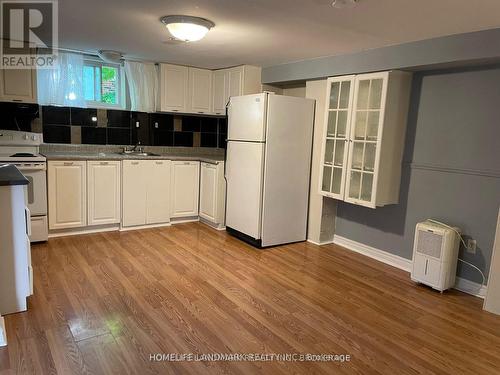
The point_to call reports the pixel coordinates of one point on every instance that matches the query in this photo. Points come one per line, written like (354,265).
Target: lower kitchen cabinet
(158,192)
(185,188)
(67,198)
(212,192)
(146,192)
(103,192)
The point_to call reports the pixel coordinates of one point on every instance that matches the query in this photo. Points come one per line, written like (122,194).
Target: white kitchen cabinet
(18,85)
(174,88)
(212,192)
(240,80)
(184,188)
(134,201)
(200,91)
(220,91)
(67,194)
(158,192)
(365,123)
(146,192)
(103,192)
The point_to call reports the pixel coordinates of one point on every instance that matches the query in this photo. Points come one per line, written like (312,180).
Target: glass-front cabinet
(339,101)
(360,123)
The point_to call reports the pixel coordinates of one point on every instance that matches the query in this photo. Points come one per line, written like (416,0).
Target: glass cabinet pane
(339,153)
(376,93)
(342,124)
(329,151)
(354,185)
(369,164)
(366,189)
(327,178)
(363,91)
(332,120)
(360,125)
(334,95)
(357,156)
(337,178)
(344,94)
(372,125)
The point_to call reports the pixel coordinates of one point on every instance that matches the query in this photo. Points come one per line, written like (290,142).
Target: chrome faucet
(137,148)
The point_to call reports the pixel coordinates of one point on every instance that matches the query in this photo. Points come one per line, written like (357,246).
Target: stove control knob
(33,137)
(25,137)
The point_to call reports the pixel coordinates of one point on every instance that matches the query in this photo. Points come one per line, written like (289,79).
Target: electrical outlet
(471,246)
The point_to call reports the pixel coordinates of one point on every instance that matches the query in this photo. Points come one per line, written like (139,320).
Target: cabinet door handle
(175,110)
(135,163)
(68,163)
(103,163)
(186,163)
(159,162)
(426,263)
(16,100)
(201,112)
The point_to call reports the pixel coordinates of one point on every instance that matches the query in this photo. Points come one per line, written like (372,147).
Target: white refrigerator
(268,162)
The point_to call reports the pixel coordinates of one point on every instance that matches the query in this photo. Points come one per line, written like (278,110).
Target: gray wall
(451,169)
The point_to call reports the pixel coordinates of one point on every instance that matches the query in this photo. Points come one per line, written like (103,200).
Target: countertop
(10,175)
(213,159)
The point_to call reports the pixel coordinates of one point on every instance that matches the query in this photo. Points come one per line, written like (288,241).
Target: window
(102,84)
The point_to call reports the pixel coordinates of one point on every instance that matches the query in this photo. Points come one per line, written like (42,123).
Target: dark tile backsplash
(117,136)
(115,127)
(93,136)
(83,117)
(56,115)
(57,134)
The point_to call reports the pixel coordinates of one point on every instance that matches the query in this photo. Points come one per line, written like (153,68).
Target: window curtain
(62,85)
(142,81)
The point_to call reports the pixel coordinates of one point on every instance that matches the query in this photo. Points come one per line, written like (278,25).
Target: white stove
(22,149)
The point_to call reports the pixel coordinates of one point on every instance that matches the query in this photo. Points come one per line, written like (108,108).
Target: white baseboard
(3,333)
(149,226)
(404,264)
(319,243)
(212,225)
(87,230)
(470,287)
(380,255)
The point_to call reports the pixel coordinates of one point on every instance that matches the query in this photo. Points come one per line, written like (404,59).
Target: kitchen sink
(134,153)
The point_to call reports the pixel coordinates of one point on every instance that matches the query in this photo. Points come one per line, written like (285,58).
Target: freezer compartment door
(246,118)
(244,172)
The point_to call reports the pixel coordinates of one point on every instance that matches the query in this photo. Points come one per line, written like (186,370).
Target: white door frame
(492,300)
(3,333)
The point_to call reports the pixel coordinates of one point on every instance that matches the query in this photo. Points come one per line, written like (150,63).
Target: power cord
(463,242)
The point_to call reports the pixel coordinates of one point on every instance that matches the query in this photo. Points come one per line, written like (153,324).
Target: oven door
(36,190)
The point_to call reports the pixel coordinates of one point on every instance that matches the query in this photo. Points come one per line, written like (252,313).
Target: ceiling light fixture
(110,56)
(341,4)
(187,28)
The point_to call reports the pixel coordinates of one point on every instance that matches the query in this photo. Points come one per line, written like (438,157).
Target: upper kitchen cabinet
(200,90)
(18,85)
(220,91)
(240,80)
(174,88)
(365,124)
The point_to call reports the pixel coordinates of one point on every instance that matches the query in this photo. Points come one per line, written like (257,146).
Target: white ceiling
(265,32)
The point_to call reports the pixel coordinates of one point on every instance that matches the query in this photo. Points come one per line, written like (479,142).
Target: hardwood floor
(104,302)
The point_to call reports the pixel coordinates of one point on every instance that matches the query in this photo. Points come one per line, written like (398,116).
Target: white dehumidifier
(435,255)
